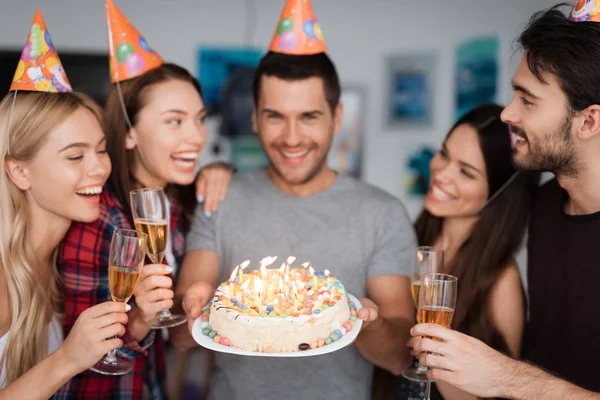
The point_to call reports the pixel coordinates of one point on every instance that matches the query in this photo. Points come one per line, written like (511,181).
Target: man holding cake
(298,206)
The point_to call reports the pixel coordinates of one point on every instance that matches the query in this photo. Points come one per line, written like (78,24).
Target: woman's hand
(89,340)
(153,292)
(212,184)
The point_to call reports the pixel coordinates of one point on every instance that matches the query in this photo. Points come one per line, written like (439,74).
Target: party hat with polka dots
(298,31)
(129,53)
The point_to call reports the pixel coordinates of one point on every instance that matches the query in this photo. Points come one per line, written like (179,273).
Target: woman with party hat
(53,149)
(154,122)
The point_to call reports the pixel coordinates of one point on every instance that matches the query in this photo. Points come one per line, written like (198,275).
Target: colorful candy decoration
(298,31)
(130,54)
(39,68)
(333,337)
(586,10)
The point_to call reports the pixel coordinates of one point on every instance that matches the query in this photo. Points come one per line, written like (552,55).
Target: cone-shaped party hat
(298,31)
(129,53)
(39,68)
(586,10)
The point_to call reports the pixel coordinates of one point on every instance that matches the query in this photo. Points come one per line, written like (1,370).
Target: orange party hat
(130,55)
(586,10)
(298,31)
(40,69)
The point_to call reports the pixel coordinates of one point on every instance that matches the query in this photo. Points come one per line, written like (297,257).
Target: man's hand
(463,361)
(369,314)
(195,298)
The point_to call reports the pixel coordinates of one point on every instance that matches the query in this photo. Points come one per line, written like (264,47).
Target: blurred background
(408,70)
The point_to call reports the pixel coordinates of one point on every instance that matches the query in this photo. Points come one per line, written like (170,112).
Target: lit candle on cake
(304,268)
(244,289)
(288,264)
(315,280)
(241,271)
(286,285)
(258,297)
(264,263)
(302,287)
(295,295)
(328,275)
(280,294)
(231,279)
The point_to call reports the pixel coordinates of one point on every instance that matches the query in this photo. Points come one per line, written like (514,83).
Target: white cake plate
(342,342)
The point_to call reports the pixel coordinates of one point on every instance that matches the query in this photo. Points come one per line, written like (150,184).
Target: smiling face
(296,127)
(540,123)
(66,175)
(168,135)
(459,184)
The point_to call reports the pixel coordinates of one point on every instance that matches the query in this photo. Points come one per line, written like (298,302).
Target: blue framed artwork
(410,85)
(417,170)
(216,65)
(476,73)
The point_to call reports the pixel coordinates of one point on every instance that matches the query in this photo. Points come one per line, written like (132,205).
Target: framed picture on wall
(216,67)
(476,73)
(346,150)
(409,95)
(416,171)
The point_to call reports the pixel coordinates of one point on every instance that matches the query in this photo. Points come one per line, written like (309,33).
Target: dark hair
(134,91)
(294,68)
(567,49)
(498,233)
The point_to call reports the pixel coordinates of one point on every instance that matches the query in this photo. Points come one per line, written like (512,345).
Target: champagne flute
(125,261)
(437,301)
(151,216)
(428,261)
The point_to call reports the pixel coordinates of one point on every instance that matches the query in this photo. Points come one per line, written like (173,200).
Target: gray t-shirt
(353,229)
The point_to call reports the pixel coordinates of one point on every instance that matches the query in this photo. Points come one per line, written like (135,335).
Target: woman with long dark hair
(476,211)
(155,128)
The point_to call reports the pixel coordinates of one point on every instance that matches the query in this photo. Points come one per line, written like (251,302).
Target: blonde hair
(34,297)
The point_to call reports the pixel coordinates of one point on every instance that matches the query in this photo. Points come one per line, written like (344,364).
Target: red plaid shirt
(83,266)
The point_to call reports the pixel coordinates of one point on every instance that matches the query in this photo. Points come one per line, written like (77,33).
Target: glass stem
(111,357)
(428,390)
(165,313)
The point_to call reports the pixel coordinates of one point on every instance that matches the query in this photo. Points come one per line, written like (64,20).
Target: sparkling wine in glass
(125,261)
(157,237)
(151,216)
(429,260)
(437,301)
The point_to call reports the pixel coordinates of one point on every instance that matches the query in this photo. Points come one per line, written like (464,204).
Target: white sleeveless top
(55,339)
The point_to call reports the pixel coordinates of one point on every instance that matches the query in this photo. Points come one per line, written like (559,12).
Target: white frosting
(256,333)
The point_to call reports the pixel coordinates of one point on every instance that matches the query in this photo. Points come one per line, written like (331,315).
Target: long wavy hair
(497,234)
(33,292)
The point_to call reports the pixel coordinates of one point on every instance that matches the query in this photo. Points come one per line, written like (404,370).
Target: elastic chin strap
(499,191)
(122,101)
(10,114)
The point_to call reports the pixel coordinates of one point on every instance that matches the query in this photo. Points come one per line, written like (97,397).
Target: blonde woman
(53,153)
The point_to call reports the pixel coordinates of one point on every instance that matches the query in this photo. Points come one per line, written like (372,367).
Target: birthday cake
(278,310)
